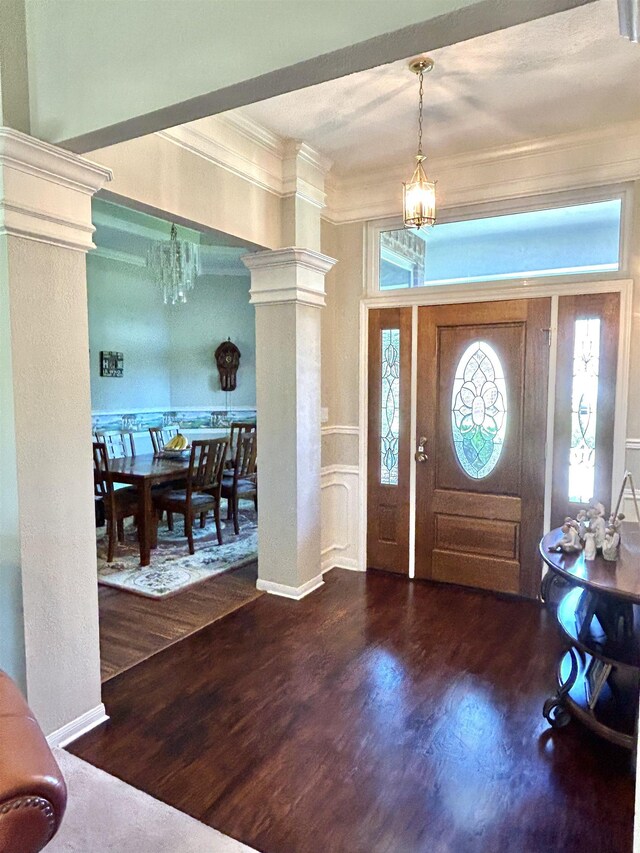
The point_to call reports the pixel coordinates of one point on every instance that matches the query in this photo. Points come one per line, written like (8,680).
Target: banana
(178,442)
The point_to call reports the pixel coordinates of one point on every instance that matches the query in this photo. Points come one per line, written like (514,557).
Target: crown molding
(118,256)
(266,175)
(569,161)
(284,167)
(254,132)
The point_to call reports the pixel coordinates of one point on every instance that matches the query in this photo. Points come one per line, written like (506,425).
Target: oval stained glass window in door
(478,410)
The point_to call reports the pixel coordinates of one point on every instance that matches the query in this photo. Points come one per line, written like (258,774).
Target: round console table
(599,612)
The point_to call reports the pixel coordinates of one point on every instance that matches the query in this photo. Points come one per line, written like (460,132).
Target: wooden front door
(482,381)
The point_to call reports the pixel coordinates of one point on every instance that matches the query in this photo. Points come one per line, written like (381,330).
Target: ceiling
(563,73)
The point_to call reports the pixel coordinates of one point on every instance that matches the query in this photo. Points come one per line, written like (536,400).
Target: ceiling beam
(459,25)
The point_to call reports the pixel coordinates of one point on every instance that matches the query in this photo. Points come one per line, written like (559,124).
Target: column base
(294,592)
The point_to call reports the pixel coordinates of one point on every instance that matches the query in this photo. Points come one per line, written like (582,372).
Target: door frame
(493,292)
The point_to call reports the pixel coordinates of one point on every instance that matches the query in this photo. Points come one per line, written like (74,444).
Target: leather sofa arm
(33,793)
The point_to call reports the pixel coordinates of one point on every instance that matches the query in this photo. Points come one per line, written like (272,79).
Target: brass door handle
(421,455)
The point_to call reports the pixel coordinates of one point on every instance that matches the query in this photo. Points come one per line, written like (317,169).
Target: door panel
(597,422)
(389,442)
(481,402)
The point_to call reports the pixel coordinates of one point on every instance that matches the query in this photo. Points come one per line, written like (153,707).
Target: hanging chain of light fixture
(419,194)
(174,264)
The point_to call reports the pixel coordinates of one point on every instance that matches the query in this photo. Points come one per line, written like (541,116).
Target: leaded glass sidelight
(584,405)
(390,407)
(479,410)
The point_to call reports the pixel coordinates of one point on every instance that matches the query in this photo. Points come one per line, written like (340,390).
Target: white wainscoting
(339,486)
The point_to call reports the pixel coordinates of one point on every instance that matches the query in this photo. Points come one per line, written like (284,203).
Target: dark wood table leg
(145,522)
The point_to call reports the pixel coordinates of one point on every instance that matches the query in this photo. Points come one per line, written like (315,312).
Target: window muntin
(584,409)
(479,410)
(390,406)
(573,240)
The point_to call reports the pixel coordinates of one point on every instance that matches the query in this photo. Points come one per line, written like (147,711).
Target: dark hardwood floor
(374,716)
(132,628)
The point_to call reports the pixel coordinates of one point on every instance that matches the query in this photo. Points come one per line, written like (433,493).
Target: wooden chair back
(206,465)
(246,455)
(118,443)
(237,429)
(102,482)
(161,435)
(101,479)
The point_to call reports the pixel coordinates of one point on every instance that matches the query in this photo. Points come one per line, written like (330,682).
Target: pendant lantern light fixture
(419,196)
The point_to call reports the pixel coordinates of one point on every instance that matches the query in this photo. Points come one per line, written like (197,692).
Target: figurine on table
(570,541)
(597,524)
(590,550)
(611,544)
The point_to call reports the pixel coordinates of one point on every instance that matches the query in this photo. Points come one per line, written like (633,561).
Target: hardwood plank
(375,716)
(132,627)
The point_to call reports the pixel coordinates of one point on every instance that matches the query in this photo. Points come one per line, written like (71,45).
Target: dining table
(144,472)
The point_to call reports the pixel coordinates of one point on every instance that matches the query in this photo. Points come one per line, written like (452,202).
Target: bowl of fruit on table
(176,448)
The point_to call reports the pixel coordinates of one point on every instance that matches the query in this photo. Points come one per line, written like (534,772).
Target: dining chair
(119,443)
(162,435)
(202,490)
(118,503)
(237,429)
(243,481)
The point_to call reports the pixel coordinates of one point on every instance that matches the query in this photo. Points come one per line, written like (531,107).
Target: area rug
(105,815)
(172,568)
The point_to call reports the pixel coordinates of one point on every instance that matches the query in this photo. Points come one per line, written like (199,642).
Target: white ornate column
(287,288)
(48,588)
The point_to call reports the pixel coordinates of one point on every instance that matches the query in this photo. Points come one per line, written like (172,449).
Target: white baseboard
(340,562)
(294,592)
(80,726)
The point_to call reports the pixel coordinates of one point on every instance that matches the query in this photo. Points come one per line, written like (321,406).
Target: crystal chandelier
(419,194)
(174,264)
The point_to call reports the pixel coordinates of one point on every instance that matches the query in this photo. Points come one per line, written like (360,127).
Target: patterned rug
(172,568)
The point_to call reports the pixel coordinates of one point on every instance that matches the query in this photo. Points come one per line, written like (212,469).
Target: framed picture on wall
(111,364)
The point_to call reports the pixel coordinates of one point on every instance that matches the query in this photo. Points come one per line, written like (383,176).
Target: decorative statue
(570,541)
(582,520)
(616,520)
(590,549)
(597,523)
(611,543)
(228,361)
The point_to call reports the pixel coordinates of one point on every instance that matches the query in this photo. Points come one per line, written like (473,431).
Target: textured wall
(48,314)
(169,178)
(341,339)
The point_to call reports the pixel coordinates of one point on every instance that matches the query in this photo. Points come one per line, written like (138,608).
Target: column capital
(288,275)
(45,191)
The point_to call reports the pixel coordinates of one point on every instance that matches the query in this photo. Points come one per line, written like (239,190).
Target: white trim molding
(598,157)
(632,444)
(339,489)
(250,151)
(80,726)
(340,429)
(293,592)
(45,192)
(288,275)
